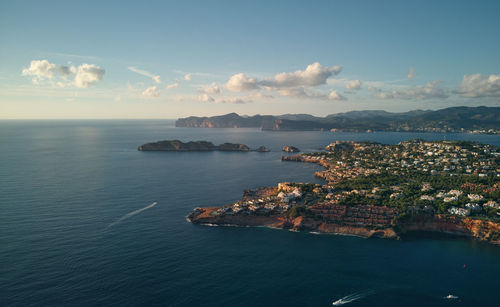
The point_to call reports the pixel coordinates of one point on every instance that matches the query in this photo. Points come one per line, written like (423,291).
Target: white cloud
(353,85)
(373,89)
(430,91)
(334,95)
(241,83)
(211,89)
(66,70)
(157,79)
(293,92)
(145,73)
(260,96)
(234,100)
(315,74)
(172,86)
(118,98)
(477,85)
(187,77)
(151,91)
(85,74)
(303,93)
(40,69)
(88,74)
(205,98)
(411,73)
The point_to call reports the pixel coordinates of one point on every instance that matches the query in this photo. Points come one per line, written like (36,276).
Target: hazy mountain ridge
(448,119)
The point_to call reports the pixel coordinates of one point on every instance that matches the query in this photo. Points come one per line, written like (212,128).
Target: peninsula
(375,190)
(176,145)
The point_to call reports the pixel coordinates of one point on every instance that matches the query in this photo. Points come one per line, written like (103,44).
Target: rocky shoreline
(204,216)
(463,227)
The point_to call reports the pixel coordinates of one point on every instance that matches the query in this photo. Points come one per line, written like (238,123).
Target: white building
(473,206)
(459,211)
(475,197)
(427,197)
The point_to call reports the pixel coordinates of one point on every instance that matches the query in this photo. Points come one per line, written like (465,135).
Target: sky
(170,59)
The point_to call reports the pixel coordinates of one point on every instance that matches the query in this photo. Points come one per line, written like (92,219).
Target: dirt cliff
(475,228)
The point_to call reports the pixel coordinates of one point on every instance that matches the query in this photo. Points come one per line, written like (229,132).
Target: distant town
(381,190)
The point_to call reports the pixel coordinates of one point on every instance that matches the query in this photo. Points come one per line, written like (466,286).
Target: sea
(88,220)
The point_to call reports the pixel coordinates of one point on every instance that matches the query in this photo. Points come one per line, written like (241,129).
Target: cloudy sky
(105,59)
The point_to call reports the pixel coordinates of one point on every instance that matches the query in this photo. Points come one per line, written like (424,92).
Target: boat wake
(128,215)
(352,297)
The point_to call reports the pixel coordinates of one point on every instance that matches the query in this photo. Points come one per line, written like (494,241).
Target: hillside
(477,119)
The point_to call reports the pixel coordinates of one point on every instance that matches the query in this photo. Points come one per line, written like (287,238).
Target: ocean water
(86,219)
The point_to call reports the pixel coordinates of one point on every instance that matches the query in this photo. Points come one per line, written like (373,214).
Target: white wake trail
(351,298)
(126,216)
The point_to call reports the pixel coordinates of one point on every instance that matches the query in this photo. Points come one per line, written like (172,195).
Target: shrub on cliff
(300,211)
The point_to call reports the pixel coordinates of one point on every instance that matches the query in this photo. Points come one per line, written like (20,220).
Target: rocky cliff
(473,228)
(206,216)
(468,227)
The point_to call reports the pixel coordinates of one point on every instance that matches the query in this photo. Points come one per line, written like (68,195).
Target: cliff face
(479,229)
(467,227)
(206,216)
(176,145)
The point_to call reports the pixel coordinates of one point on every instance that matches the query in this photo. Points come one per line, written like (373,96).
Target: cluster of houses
(444,158)
(261,206)
(284,200)
(454,195)
(364,159)
(469,208)
(435,158)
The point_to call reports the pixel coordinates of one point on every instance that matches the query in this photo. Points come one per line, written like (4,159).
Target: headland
(376,190)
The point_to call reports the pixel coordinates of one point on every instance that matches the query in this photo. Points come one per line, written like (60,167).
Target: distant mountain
(231,120)
(376,113)
(298,117)
(449,119)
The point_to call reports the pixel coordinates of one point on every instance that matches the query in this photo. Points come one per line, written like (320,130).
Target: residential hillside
(457,119)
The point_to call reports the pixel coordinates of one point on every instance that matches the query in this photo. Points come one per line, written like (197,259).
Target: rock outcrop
(262,149)
(233,147)
(290,149)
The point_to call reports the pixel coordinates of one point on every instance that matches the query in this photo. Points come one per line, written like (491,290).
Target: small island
(176,145)
(376,190)
(290,149)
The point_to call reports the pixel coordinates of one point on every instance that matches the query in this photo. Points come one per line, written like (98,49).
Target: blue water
(66,188)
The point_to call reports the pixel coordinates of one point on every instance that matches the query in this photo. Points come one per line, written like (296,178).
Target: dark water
(63,183)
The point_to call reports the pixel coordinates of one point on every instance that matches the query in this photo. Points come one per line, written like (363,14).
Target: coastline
(453,226)
(326,209)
